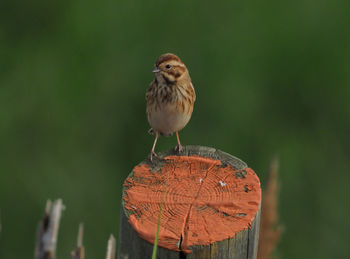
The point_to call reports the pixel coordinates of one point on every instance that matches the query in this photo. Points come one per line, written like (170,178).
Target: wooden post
(210,207)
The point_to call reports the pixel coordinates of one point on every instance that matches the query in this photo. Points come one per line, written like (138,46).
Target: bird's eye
(168,66)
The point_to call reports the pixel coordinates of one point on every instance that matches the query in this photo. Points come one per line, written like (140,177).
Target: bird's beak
(156,69)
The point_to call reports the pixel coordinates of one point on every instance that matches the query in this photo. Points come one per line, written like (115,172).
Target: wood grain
(211,206)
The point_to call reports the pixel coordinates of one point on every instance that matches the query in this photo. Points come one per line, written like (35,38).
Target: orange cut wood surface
(203,201)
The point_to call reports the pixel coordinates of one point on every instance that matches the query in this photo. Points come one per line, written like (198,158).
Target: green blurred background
(272,77)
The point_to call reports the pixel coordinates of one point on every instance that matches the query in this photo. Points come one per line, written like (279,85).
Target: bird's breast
(166,118)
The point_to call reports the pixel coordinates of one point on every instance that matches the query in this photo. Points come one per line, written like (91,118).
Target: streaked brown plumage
(170,98)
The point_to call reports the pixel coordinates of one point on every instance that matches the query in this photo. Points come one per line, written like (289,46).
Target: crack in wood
(183,233)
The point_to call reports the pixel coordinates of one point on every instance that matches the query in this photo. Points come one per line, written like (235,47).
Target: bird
(170,99)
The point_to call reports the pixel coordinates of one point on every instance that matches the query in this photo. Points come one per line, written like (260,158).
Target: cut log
(210,206)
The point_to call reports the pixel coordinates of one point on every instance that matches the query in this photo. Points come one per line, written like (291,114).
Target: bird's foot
(151,131)
(152,154)
(178,148)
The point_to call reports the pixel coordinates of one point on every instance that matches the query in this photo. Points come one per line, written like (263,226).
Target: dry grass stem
(79,252)
(111,248)
(48,231)
(270,230)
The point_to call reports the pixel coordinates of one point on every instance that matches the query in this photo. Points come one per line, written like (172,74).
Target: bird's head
(170,68)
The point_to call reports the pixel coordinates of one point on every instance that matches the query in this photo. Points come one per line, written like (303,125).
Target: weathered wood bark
(237,245)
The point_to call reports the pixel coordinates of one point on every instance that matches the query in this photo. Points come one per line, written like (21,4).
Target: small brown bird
(170,99)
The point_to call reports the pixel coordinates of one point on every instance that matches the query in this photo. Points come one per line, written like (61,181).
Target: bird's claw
(152,154)
(178,148)
(151,131)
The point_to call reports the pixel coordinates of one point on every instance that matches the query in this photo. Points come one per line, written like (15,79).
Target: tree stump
(210,204)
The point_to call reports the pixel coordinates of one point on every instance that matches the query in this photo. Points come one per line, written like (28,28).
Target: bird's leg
(178,148)
(153,147)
